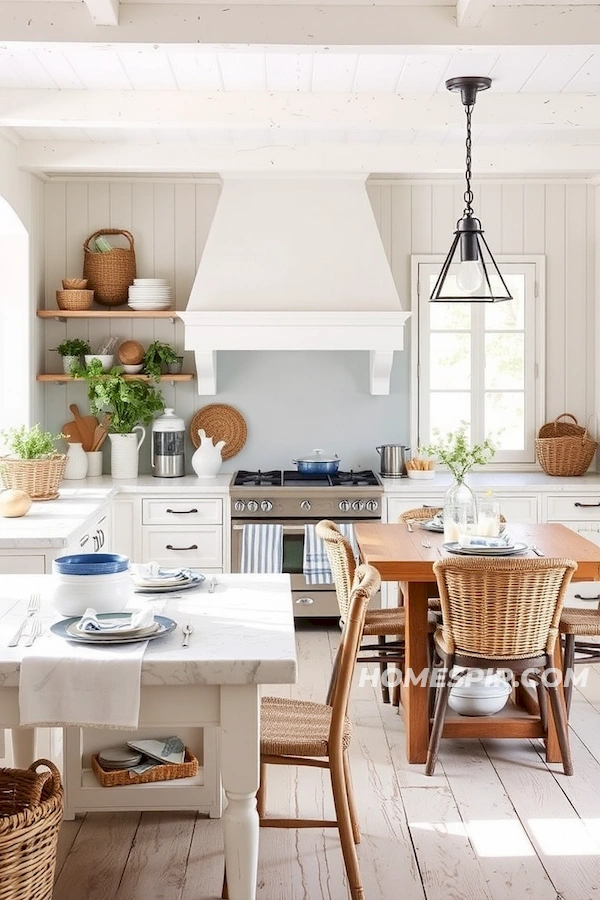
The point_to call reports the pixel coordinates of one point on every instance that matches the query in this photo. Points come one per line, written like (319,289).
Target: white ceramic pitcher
(207,459)
(124,454)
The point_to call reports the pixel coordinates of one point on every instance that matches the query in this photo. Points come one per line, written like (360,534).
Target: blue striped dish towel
(315,565)
(262,548)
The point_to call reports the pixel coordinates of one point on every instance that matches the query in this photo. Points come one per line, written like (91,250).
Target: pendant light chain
(468,195)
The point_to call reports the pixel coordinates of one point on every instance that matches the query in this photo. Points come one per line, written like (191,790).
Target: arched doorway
(15,325)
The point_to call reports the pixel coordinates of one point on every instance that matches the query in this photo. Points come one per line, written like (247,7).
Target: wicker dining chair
(421,514)
(575,622)
(383,623)
(304,733)
(500,614)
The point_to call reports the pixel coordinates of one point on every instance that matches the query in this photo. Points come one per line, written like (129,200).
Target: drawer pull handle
(305,601)
(581,597)
(84,540)
(182,512)
(171,547)
(585,505)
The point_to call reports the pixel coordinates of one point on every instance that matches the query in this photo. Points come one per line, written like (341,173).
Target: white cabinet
(514,507)
(398,505)
(96,538)
(581,513)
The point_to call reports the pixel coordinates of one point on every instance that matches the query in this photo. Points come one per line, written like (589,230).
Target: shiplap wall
(294,402)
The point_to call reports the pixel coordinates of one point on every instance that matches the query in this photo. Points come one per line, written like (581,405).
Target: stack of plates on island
(150,293)
(152,578)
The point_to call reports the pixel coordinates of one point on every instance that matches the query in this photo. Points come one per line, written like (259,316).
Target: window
(481,362)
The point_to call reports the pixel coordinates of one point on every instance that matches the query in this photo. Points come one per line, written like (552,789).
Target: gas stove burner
(266,479)
(365,478)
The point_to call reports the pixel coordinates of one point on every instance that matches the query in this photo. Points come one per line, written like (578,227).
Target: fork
(212,585)
(36,630)
(33,607)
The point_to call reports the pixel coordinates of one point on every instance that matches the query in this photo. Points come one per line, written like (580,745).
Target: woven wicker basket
(109,274)
(32,808)
(166,772)
(564,448)
(74,299)
(39,478)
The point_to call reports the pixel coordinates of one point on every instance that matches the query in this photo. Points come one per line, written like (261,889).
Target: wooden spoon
(99,436)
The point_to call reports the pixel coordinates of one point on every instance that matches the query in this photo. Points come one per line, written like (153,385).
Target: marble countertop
(143,484)
(55,523)
(537,482)
(243,632)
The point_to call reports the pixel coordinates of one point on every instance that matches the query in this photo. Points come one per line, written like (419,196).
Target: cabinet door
(585,594)
(396,506)
(519,509)
(13,564)
(199,548)
(127,526)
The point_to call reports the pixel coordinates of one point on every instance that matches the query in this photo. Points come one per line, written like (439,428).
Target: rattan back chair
(304,733)
(383,623)
(578,623)
(500,614)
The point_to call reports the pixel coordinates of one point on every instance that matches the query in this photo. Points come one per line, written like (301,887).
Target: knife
(18,633)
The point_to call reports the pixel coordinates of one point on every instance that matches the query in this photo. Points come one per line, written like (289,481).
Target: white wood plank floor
(494,823)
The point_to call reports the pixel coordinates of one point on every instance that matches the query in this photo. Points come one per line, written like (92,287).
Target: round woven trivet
(222,423)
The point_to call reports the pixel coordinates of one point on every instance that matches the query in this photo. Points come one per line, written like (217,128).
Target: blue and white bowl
(91,564)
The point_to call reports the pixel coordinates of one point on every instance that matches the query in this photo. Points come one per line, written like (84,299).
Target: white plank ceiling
(146,93)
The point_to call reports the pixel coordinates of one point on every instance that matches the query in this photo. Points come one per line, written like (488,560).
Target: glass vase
(460,511)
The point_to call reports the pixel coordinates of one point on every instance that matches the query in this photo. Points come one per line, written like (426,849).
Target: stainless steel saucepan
(393,459)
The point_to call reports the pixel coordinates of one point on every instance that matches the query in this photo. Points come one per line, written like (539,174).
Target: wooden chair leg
(342,812)
(441,706)
(568,669)
(261,794)
(383,672)
(351,800)
(224,889)
(543,704)
(562,727)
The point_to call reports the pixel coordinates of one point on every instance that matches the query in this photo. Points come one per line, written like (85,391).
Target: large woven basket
(109,274)
(31,812)
(564,448)
(39,478)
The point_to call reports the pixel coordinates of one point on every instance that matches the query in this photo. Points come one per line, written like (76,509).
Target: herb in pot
(30,443)
(157,356)
(127,402)
(73,347)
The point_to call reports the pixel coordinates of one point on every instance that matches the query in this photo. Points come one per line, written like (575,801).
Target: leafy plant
(128,402)
(158,355)
(454,451)
(30,443)
(73,347)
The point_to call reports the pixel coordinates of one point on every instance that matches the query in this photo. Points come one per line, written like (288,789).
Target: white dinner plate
(151,587)
(432,526)
(75,631)
(61,629)
(454,547)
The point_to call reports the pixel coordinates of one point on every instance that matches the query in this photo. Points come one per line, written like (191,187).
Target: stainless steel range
(295,500)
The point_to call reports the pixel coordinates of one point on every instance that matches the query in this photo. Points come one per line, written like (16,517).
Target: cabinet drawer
(199,548)
(518,509)
(395,507)
(566,509)
(182,511)
(13,564)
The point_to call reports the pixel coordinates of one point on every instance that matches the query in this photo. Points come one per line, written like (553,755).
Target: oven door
(310,600)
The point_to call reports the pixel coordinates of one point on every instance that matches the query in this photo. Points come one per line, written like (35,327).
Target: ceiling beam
(103,12)
(331,25)
(205,110)
(194,159)
(471,12)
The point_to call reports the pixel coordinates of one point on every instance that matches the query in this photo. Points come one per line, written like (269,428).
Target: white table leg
(23,746)
(240,768)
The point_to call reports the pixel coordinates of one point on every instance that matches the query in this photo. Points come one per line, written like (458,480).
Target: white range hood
(294,263)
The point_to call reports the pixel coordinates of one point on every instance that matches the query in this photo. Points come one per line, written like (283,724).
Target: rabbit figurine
(207,459)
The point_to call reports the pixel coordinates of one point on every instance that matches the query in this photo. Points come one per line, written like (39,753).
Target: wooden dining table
(407,556)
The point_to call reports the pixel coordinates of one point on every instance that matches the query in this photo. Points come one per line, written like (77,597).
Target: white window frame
(535,342)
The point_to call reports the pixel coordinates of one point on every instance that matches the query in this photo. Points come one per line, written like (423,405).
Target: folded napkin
(68,683)
(89,621)
(502,541)
(152,573)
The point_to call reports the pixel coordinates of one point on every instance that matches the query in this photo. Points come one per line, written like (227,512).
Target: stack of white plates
(150,293)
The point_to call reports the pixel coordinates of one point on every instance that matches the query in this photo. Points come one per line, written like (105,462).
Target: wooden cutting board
(84,426)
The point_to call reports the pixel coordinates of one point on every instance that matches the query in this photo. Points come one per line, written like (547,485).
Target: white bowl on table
(421,474)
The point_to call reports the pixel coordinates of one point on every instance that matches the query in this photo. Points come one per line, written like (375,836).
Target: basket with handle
(564,448)
(31,809)
(109,274)
(39,478)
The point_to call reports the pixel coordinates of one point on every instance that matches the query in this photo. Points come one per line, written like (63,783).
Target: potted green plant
(159,356)
(71,351)
(32,464)
(129,404)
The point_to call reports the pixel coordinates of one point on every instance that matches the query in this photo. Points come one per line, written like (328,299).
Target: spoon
(426,544)
(187,631)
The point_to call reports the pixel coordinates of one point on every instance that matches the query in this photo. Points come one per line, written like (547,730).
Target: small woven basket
(109,274)
(74,299)
(39,478)
(564,448)
(30,815)
(160,772)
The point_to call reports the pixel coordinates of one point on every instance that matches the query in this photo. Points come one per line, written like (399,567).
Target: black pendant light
(469,273)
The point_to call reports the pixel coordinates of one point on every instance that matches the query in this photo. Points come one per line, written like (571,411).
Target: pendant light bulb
(470,276)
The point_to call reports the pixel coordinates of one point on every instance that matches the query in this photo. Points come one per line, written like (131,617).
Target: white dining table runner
(65,683)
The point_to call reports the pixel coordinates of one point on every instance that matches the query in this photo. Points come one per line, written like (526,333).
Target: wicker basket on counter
(564,448)
(109,274)
(39,478)
(31,809)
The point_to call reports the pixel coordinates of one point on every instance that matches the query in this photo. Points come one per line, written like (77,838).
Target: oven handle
(298,529)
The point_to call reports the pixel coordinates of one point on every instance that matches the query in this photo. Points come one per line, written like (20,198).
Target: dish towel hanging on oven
(262,548)
(315,565)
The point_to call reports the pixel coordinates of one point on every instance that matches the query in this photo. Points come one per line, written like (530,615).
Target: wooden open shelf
(60,377)
(63,314)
